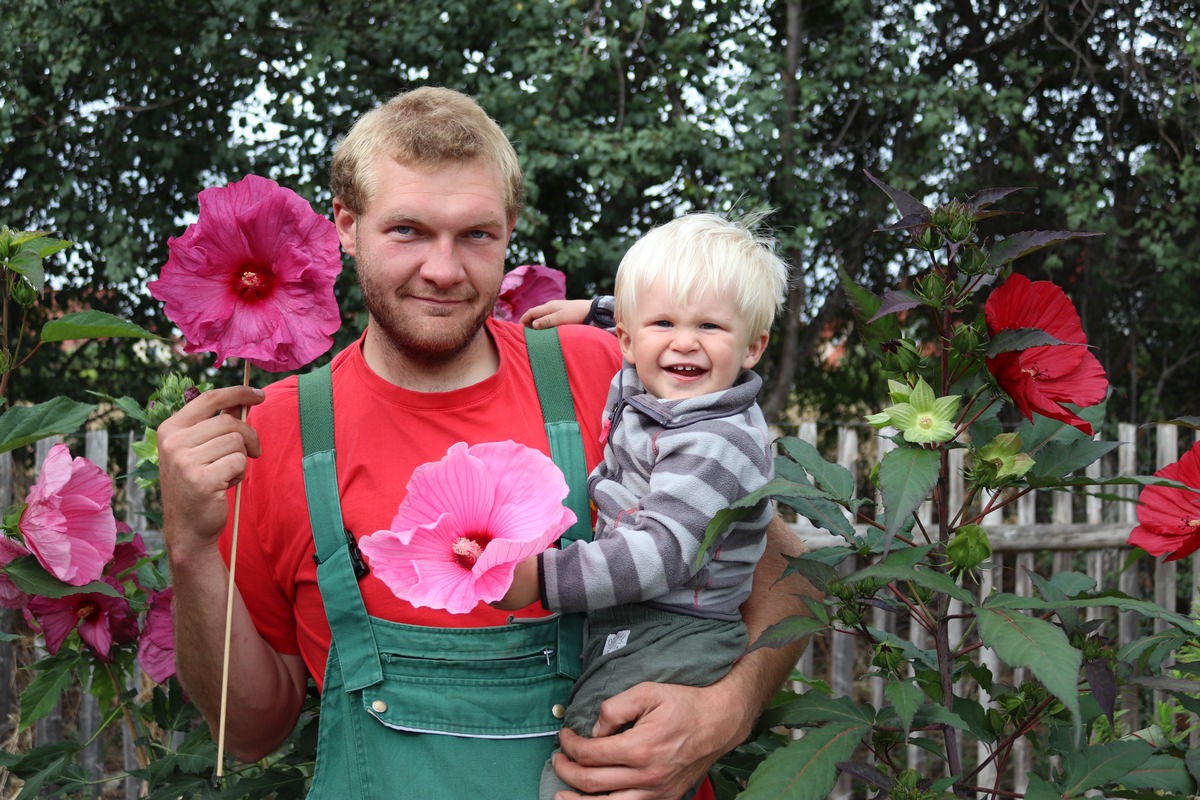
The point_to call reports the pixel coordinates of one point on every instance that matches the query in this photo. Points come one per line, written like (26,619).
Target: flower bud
(972,260)
(961,230)
(23,293)
(965,339)
(888,657)
(933,288)
(928,239)
(969,548)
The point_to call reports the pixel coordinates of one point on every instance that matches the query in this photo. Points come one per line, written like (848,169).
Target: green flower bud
(23,293)
(965,339)
(932,287)
(961,230)
(888,657)
(928,239)
(1000,462)
(972,261)
(969,548)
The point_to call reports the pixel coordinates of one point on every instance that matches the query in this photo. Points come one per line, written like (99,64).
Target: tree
(625,114)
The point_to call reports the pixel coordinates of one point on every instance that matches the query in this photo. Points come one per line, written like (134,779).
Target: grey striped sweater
(669,466)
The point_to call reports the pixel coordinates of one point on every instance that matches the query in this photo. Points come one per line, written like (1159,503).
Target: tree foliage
(115,113)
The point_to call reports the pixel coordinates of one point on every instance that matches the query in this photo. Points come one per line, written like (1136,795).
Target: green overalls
(435,713)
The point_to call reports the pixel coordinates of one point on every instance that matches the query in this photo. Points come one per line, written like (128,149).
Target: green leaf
(716,529)
(1106,599)
(1024,641)
(1041,789)
(907,697)
(44,691)
(833,478)
(1060,458)
(1100,765)
(814,708)
(1026,242)
(906,477)
(807,768)
(814,570)
(22,425)
(1161,772)
(1020,339)
(92,325)
(929,578)
(787,631)
(32,578)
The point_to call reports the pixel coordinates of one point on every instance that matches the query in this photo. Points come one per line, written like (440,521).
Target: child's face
(687,350)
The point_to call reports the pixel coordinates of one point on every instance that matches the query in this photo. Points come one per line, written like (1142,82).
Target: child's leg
(551,783)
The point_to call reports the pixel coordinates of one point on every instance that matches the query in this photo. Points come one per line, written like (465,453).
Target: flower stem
(233,542)
(140,750)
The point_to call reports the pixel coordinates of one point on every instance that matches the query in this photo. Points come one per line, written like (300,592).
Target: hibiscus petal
(444,585)
(459,484)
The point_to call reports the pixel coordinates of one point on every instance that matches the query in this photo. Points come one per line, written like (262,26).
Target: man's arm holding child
(680,731)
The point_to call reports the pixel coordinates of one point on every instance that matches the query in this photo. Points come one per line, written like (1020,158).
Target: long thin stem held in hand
(233,547)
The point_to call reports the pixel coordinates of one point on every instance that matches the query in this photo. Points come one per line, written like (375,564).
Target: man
(427,189)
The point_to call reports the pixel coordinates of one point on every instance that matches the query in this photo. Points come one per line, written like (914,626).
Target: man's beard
(411,337)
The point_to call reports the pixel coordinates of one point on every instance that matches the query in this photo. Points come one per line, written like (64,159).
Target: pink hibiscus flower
(126,554)
(1170,518)
(527,286)
(103,621)
(68,522)
(465,524)
(10,595)
(253,278)
(156,645)
(1041,379)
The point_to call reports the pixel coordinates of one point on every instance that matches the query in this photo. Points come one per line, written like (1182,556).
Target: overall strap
(339,564)
(566,448)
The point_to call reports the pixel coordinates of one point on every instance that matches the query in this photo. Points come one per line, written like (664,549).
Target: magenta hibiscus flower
(466,522)
(103,621)
(527,286)
(156,645)
(1041,379)
(253,278)
(10,595)
(1170,518)
(68,522)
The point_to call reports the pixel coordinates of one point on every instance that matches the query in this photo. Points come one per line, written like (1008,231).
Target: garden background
(114,114)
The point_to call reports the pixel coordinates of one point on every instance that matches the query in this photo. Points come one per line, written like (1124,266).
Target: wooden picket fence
(1042,533)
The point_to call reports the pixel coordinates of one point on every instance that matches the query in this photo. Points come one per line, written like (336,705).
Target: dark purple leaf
(906,204)
(1104,686)
(1026,242)
(895,300)
(988,196)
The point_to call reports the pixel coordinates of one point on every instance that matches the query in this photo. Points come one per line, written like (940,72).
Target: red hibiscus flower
(103,621)
(527,286)
(1041,379)
(1170,518)
(253,278)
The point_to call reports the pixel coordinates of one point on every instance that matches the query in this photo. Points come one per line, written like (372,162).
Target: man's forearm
(772,599)
(266,689)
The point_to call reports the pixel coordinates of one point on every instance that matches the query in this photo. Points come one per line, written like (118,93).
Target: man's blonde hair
(732,257)
(425,129)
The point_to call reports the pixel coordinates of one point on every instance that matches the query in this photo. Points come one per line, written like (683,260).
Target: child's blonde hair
(698,253)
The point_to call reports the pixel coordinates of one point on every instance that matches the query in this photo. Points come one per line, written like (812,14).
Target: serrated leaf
(1161,772)
(814,708)
(92,325)
(43,693)
(1011,339)
(906,697)
(1099,765)
(865,304)
(1039,788)
(833,478)
(1026,242)
(1056,459)
(29,264)
(815,571)
(32,578)
(716,529)
(1107,599)
(1103,683)
(787,631)
(895,301)
(906,477)
(22,425)
(1023,641)
(805,769)
(929,578)
(986,197)
(905,203)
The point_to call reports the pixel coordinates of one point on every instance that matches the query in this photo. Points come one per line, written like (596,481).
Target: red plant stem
(918,612)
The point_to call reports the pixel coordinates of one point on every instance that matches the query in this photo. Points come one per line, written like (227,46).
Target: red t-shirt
(382,434)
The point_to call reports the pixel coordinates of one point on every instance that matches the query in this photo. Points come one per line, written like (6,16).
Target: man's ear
(755,349)
(346,222)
